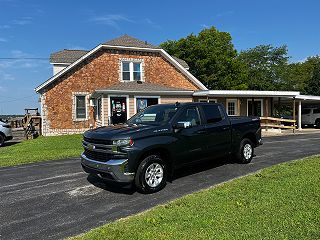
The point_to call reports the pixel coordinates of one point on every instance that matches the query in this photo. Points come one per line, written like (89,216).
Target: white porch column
(299,116)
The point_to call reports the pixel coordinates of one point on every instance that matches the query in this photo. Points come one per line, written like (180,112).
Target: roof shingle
(67,56)
(128,41)
(142,86)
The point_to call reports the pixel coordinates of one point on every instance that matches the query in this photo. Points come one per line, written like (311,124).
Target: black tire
(1,140)
(143,183)
(246,151)
(318,123)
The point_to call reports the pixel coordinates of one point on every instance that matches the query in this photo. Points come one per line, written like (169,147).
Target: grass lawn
(280,202)
(41,149)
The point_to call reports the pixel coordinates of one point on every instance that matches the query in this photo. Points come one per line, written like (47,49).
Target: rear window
(212,113)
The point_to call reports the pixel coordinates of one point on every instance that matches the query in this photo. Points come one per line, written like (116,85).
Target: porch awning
(245,93)
(142,88)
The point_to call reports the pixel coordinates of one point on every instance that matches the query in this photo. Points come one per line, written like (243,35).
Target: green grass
(41,149)
(280,202)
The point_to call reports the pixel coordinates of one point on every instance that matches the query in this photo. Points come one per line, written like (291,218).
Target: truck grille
(97,141)
(97,156)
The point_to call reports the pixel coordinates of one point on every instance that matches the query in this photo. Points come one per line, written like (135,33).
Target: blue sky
(34,29)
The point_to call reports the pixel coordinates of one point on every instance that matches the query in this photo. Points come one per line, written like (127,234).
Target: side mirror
(182,125)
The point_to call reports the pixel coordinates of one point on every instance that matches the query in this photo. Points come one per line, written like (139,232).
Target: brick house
(109,84)
(118,78)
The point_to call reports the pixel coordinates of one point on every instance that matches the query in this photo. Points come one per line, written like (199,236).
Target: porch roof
(142,88)
(245,93)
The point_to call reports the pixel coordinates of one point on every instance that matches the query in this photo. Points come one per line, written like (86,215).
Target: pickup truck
(311,116)
(161,138)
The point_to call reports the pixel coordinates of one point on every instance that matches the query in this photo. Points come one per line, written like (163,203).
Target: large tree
(267,67)
(312,69)
(212,59)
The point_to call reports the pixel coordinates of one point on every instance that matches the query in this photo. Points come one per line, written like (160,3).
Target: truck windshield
(154,115)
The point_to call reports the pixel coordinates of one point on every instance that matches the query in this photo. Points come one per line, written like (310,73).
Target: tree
(312,87)
(267,67)
(212,59)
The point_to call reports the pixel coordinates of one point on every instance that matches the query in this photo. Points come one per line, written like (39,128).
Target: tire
(151,175)
(246,151)
(1,140)
(318,123)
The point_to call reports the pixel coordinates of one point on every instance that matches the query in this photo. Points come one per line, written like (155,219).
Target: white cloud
(3,40)
(112,20)
(204,26)
(5,26)
(22,21)
(222,14)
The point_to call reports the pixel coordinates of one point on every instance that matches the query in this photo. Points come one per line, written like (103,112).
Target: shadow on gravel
(190,169)
(7,144)
(200,166)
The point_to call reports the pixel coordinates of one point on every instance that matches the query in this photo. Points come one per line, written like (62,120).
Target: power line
(23,58)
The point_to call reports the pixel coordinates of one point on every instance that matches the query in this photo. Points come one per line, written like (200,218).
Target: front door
(191,141)
(118,110)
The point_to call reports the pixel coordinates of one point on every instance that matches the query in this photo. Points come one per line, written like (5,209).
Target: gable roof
(67,56)
(128,41)
(162,52)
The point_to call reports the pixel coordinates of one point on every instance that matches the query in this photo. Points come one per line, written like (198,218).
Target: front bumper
(115,169)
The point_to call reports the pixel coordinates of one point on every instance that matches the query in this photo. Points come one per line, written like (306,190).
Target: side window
(306,111)
(190,114)
(316,110)
(212,113)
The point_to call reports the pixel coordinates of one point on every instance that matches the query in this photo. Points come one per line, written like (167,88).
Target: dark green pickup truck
(161,138)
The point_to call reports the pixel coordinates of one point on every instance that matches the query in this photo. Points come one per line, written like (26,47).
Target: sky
(30,30)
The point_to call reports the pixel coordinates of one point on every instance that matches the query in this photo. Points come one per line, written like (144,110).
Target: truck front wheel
(246,151)
(151,175)
(318,123)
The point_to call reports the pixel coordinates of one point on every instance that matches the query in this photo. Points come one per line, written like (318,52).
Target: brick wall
(100,71)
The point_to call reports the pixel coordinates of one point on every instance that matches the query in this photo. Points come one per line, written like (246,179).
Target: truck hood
(119,131)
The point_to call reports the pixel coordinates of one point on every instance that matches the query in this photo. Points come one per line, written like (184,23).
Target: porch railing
(278,123)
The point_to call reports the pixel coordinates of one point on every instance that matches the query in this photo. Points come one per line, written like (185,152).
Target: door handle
(225,128)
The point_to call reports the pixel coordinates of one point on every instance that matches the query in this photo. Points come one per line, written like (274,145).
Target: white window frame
(256,100)
(79,94)
(99,118)
(131,62)
(236,110)
(210,100)
(135,101)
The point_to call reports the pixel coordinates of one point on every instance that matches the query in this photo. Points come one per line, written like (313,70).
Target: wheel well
(162,152)
(251,137)
(317,120)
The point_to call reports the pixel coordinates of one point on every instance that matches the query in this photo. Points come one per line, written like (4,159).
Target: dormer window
(131,71)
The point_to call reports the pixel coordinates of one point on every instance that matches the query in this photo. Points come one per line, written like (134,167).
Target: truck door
(190,145)
(306,116)
(218,131)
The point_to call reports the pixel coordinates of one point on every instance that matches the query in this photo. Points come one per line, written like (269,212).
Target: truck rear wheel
(246,151)
(151,175)
(1,140)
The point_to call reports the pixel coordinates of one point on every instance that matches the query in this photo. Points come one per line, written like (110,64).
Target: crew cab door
(190,145)
(218,131)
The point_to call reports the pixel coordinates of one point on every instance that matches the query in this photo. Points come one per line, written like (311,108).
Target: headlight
(123,142)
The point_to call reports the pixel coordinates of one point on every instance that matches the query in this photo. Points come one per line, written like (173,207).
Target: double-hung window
(81,111)
(131,71)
